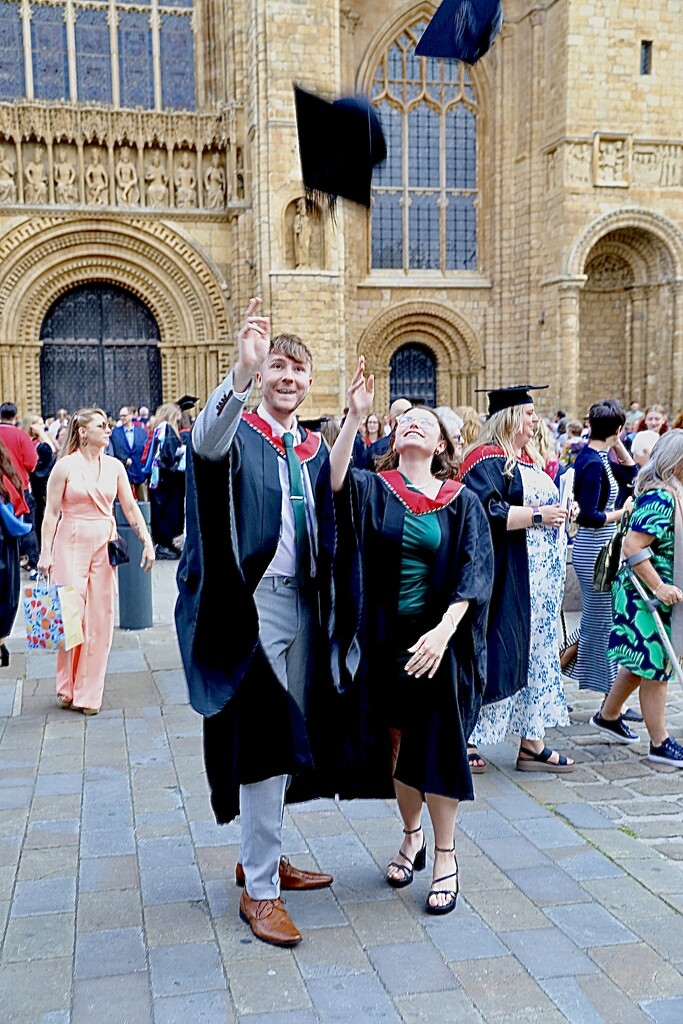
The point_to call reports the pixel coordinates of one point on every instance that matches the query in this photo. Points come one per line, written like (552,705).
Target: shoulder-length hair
(7,469)
(501,429)
(664,468)
(445,465)
(168,413)
(81,418)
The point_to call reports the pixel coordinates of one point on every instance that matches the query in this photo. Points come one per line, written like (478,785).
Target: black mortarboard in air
(187,402)
(505,398)
(462,30)
(339,144)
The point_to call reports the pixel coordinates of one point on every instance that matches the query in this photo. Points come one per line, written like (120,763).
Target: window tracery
(425,193)
(128,53)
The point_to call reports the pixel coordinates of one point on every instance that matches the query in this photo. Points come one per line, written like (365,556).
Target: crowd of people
(390,587)
(60,477)
(393,586)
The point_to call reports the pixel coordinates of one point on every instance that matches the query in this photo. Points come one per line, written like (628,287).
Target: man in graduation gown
(247,616)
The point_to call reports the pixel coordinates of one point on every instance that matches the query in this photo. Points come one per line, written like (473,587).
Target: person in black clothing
(167,483)
(46,450)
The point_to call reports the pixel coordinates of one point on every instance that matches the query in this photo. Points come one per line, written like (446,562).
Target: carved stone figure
(672,166)
(214,184)
(96,181)
(611,160)
(127,191)
(185,184)
(35,178)
(8,187)
(157,182)
(66,190)
(578,164)
(302,235)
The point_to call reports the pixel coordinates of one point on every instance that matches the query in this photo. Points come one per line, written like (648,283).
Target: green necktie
(296,494)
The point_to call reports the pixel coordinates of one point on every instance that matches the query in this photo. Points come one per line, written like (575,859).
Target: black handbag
(117,550)
(609,558)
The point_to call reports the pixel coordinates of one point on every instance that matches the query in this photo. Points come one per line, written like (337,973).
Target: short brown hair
(292,345)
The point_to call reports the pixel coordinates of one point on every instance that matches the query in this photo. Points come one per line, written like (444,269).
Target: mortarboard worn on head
(505,398)
(339,144)
(462,30)
(187,402)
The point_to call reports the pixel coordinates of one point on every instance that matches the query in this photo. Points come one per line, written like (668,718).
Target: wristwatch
(537,517)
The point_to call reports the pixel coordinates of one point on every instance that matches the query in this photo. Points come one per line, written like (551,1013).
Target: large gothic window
(425,193)
(129,53)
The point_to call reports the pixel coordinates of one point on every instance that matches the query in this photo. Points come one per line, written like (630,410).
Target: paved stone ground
(116,902)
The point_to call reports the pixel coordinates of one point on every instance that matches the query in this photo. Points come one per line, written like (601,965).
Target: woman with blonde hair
(46,448)
(544,443)
(471,424)
(654,547)
(524,693)
(77,527)
(167,481)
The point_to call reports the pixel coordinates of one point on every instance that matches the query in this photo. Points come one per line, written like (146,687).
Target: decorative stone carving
(8,186)
(303,237)
(96,180)
(64,173)
(185,181)
(157,182)
(301,230)
(35,178)
(608,272)
(578,163)
(611,163)
(672,166)
(551,170)
(214,184)
(647,165)
(127,191)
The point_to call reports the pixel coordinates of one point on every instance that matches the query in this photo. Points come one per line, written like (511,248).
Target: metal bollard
(135,585)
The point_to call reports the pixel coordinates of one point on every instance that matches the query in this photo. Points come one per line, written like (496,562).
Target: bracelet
(659,587)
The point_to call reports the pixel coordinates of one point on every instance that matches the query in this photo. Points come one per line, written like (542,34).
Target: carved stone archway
(621,310)
(458,354)
(43,258)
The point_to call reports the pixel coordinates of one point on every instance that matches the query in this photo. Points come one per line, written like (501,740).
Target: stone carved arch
(45,257)
(638,223)
(456,348)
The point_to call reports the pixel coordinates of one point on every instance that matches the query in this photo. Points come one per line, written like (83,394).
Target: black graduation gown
(253,728)
(437,722)
(510,609)
(167,500)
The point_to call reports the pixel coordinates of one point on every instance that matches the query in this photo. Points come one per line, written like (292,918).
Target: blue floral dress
(541,704)
(634,641)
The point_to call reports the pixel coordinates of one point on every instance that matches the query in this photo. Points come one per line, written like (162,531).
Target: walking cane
(653,605)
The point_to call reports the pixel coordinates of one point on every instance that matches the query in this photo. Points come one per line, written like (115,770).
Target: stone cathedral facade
(526,225)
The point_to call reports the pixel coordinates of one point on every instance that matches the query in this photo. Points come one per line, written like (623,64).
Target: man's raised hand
(253,345)
(361,393)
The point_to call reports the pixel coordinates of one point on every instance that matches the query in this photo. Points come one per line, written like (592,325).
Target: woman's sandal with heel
(418,864)
(444,908)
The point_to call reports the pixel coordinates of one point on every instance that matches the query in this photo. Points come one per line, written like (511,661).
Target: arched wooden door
(100,347)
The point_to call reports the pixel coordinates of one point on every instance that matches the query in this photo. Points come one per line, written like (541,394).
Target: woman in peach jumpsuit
(77,526)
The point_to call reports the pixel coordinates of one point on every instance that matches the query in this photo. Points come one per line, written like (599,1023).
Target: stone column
(570,340)
(677,344)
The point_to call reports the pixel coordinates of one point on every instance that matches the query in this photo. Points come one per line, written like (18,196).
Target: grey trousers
(285,632)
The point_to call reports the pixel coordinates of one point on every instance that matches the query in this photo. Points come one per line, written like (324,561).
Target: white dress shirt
(212,435)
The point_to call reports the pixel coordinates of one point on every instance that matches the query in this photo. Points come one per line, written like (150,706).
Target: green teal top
(421,541)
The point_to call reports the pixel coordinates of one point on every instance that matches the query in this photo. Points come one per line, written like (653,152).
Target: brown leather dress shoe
(269,921)
(291,878)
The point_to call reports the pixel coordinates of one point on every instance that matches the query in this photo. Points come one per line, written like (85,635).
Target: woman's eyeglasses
(420,421)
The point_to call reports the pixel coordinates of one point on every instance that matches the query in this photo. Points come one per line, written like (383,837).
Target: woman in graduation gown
(524,693)
(413,574)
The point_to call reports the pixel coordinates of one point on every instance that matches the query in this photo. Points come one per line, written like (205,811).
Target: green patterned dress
(634,640)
